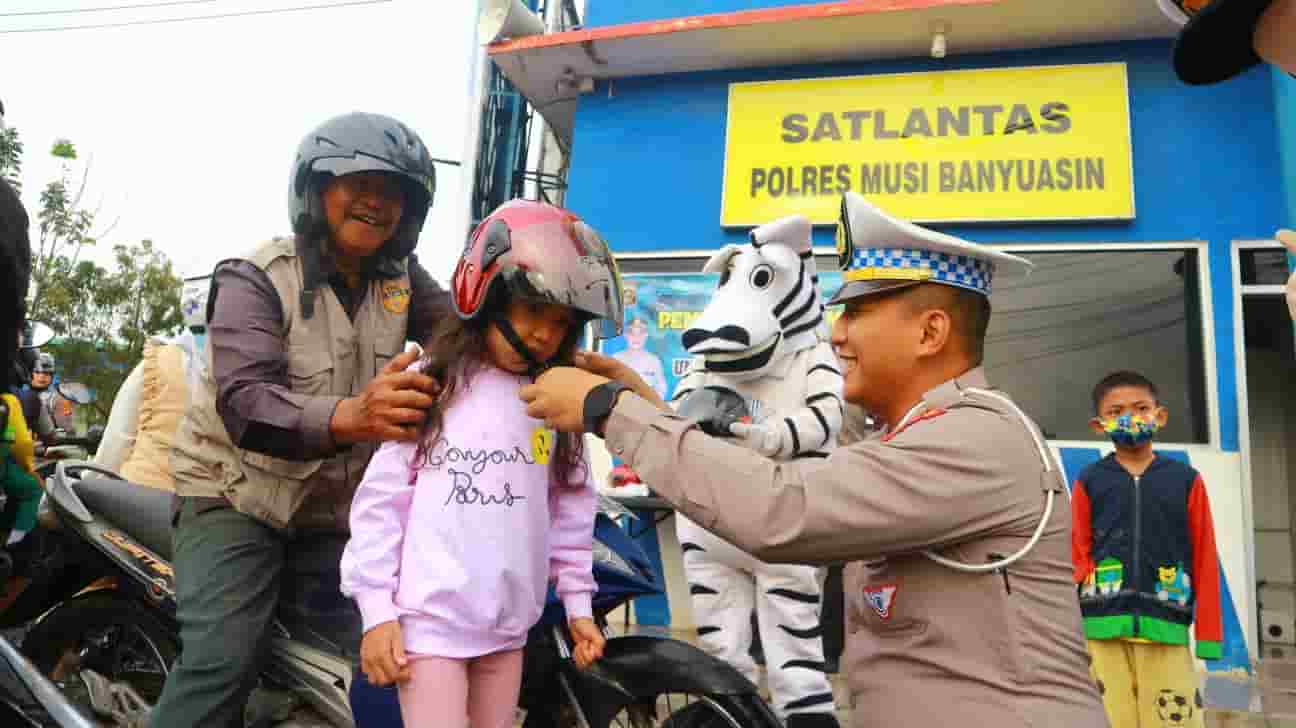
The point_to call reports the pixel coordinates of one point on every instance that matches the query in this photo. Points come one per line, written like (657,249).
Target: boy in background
(1143,546)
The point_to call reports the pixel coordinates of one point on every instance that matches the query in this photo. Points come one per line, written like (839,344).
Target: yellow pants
(1147,684)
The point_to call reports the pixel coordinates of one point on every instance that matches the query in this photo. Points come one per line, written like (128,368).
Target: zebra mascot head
(767,305)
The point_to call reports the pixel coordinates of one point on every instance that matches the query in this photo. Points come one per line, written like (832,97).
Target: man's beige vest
(328,355)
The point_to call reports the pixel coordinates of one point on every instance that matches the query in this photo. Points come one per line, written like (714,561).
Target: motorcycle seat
(143,513)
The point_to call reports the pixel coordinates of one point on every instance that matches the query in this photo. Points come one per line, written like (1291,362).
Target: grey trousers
(234,575)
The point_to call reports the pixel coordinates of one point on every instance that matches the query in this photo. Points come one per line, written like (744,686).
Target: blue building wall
(616,12)
(1285,109)
(648,157)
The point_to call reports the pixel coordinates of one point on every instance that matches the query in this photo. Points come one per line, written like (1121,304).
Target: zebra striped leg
(787,603)
(722,597)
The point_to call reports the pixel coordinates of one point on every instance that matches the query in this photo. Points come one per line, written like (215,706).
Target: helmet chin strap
(534,367)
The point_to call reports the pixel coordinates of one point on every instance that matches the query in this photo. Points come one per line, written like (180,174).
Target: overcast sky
(192,126)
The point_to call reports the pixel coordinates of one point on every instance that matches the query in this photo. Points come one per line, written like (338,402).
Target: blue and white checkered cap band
(963,271)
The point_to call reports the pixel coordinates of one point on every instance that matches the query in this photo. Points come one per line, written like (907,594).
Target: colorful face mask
(1130,430)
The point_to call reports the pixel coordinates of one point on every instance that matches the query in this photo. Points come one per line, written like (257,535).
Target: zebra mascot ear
(719,261)
(795,233)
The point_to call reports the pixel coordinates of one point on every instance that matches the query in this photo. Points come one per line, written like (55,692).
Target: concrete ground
(1267,698)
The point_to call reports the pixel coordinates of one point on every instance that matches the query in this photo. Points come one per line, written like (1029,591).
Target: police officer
(960,608)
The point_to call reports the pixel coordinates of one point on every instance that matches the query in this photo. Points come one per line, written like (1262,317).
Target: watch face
(598,404)
(607,397)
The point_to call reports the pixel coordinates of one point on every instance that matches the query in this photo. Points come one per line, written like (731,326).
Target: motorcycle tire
(708,711)
(121,639)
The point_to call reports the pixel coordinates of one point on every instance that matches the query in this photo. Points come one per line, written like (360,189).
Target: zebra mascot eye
(762,276)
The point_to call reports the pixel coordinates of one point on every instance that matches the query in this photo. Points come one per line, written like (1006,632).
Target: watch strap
(598,405)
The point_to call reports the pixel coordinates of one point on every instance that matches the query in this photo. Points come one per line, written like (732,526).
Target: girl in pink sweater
(454,539)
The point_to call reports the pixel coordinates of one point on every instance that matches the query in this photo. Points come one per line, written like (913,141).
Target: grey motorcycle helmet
(362,142)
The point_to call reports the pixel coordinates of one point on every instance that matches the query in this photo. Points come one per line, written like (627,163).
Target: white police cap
(877,252)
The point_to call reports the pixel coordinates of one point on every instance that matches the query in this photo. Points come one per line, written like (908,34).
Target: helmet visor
(567,263)
(362,162)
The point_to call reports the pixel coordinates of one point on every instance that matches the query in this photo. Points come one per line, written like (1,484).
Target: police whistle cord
(1048,502)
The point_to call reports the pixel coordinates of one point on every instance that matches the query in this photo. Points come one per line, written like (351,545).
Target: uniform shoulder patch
(928,415)
(881,597)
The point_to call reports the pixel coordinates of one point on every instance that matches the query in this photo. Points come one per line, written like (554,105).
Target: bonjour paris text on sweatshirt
(460,548)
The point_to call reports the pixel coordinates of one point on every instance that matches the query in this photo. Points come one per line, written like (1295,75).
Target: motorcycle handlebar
(69,441)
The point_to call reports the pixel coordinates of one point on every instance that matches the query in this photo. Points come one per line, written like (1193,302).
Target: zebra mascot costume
(764,336)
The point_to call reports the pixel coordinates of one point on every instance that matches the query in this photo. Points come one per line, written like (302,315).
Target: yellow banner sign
(995,145)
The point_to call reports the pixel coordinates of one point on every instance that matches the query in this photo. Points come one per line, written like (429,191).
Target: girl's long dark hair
(453,355)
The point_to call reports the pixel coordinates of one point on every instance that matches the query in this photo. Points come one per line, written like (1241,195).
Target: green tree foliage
(103,315)
(11,150)
(106,317)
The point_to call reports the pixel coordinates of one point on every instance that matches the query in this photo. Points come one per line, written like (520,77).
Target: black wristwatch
(598,405)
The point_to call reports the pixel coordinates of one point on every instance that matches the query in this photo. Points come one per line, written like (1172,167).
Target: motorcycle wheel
(676,710)
(109,633)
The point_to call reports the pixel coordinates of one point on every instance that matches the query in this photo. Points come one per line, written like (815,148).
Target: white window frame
(1240,292)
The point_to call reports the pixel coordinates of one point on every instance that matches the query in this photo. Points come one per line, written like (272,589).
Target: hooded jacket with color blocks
(1144,554)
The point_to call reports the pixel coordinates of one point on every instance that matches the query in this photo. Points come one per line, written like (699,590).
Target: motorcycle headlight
(611,559)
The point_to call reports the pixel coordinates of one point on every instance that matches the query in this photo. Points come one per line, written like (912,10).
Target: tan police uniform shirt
(967,477)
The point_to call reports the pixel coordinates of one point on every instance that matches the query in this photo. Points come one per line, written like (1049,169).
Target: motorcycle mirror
(36,335)
(75,392)
(611,508)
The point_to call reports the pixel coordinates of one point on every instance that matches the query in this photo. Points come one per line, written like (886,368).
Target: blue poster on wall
(659,307)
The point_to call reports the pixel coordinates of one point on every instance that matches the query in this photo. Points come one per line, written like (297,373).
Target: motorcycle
(110,647)
(27,698)
(64,444)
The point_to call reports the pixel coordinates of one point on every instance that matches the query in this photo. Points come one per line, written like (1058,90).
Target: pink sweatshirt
(463,557)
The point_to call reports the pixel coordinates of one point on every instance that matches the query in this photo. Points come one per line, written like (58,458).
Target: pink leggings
(443,692)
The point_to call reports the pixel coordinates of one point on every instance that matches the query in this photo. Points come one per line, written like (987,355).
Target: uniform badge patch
(880,598)
(395,296)
(845,246)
